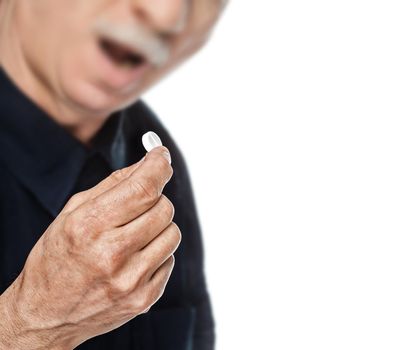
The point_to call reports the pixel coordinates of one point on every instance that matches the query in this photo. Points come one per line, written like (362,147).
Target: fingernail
(150,140)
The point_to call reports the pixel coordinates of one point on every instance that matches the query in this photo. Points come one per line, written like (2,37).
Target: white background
(294,123)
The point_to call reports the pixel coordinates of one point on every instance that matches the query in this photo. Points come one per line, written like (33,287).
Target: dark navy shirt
(42,165)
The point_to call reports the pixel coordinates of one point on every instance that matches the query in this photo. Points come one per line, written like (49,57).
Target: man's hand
(104,260)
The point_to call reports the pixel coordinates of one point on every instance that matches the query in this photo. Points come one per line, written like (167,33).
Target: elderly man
(89,222)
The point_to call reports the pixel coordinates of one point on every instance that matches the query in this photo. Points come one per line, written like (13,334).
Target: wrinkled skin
(108,255)
(105,259)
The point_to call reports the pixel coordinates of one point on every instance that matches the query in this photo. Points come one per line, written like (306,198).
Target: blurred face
(100,55)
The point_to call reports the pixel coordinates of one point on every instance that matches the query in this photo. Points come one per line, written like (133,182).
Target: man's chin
(94,100)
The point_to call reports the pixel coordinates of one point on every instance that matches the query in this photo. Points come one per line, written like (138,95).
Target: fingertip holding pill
(150,140)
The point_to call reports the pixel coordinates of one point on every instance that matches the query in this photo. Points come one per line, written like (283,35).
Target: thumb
(150,141)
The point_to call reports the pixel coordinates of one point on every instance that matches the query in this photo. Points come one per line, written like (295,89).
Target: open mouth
(120,54)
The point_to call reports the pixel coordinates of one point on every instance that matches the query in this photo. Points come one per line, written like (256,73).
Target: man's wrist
(9,323)
(14,333)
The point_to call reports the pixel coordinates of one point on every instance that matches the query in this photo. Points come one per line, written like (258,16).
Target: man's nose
(164,16)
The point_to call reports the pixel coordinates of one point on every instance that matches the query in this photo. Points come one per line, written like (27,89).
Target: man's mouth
(120,54)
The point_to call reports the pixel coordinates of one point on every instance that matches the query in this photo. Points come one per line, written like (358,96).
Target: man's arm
(14,335)
(9,334)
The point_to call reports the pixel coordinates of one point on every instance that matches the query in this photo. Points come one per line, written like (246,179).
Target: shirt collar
(44,156)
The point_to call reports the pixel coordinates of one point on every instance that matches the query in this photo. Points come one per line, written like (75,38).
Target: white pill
(150,140)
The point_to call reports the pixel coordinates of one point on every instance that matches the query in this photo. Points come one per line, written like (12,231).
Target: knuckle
(142,301)
(107,263)
(143,304)
(150,297)
(73,231)
(144,267)
(92,220)
(170,171)
(70,223)
(73,225)
(121,287)
(158,292)
(82,221)
(175,234)
(77,198)
(167,210)
(75,201)
(145,188)
(170,263)
(118,175)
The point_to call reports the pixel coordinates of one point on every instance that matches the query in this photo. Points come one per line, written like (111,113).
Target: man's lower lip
(119,77)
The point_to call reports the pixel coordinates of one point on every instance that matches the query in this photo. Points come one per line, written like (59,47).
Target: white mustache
(137,38)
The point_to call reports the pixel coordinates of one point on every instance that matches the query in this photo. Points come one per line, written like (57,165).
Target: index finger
(110,181)
(132,196)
